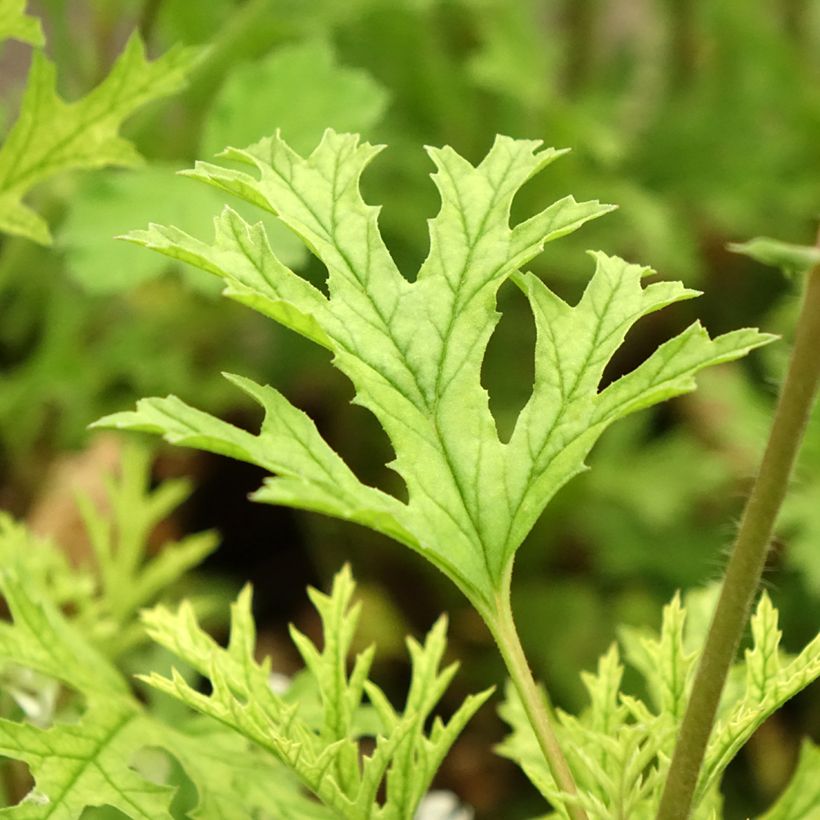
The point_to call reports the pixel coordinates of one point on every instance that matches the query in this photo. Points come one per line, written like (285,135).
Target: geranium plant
(413,350)
(329,743)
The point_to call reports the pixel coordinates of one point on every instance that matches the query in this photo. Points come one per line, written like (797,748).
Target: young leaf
(770,680)
(236,780)
(104,598)
(15,24)
(664,662)
(620,746)
(51,136)
(40,639)
(414,350)
(119,537)
(86,753)
(44,564)
(325,756)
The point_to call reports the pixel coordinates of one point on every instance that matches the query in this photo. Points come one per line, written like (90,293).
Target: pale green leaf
(664,662)
(619,747)
(297,88)
(770,680)
(414,349)
(43,564)
(15,24)
(119,534)
(86,763)
(308,473)
(240,254)
(325,757)
(39,638)
(51,136)
(234,779)
(81,732)
(418,758)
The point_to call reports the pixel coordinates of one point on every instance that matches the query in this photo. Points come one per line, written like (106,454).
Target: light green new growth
(105,594)
(90,755)
(71,716)
(15,24)
(620,746)
(51,136)
(324,753)
(414,349)
(127,578)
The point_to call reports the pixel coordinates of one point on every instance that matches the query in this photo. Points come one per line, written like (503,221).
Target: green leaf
(619,747)
(84,749)
(234,779)
(770,680)
(110,203)
(104,597)
(414,350)
(128,578)
(51,136)
(664,662)
(788,257)
(43,564)
(299,89)
(85,764)
(42,640)
(325,757)
(309,473)
(15,24)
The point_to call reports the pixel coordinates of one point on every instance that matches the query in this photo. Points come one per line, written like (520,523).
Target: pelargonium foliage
(414,349)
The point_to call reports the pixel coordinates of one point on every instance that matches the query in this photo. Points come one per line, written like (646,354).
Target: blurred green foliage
(699,118)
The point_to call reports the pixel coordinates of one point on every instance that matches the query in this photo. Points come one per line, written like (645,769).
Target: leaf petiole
(502,627)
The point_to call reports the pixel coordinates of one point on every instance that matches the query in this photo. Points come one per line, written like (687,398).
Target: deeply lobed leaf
(323,754)
(69,714)
(414,350)
(620,746)
(770,680)
(51,136)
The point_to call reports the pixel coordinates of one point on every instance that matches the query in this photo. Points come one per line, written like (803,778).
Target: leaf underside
(414,350)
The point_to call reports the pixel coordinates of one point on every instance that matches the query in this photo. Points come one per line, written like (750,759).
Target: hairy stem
(748,557)
(506,637)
